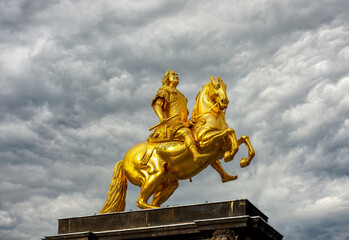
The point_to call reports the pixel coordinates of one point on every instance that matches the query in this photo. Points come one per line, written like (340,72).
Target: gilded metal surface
(170,103)
(178,149)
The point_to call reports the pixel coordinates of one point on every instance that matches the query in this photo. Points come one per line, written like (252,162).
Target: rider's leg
(224,175)
(190,143)
(164,191)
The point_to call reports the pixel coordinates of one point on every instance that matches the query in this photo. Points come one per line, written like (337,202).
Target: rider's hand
(162,120)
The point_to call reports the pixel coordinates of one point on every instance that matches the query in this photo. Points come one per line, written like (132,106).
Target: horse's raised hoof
(228,156)
(244,162)
(228,178)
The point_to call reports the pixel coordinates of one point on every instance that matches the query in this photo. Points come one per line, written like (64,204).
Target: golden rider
(170,105)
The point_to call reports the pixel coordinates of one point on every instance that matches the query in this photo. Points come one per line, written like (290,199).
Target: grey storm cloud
(77,79)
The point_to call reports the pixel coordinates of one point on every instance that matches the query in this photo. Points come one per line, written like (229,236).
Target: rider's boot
(190,142)
(198,157)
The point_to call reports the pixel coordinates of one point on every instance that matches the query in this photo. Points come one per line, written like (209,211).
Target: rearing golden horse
(169,162)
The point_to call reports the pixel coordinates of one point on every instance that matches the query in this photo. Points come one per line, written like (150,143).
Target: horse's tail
(116,199)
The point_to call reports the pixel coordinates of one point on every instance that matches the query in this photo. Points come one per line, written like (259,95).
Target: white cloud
(78,78)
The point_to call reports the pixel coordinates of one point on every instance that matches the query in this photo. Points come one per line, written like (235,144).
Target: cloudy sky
(77,79)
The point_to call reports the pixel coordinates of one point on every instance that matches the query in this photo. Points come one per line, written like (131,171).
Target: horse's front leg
(232,147)
(208,137)
(246,161)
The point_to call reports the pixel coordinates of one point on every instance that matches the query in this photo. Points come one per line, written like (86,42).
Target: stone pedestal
(230,220)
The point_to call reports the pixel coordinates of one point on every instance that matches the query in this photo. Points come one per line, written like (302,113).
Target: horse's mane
(195,113)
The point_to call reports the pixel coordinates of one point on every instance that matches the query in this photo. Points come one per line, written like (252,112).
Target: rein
(206,111)
(209,110)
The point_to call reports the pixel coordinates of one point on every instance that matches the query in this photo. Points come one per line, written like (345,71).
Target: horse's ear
(213,80)
(219,80)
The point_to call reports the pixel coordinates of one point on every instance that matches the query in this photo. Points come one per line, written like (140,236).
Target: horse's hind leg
(224,175)
(164,191)
(148,188)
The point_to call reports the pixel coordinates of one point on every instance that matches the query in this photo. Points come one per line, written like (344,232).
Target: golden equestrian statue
(177,149)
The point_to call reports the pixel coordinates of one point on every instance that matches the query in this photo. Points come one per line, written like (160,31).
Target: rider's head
(170,78)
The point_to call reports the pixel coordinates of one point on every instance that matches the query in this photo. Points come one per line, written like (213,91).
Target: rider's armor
(174,103)
(178,105)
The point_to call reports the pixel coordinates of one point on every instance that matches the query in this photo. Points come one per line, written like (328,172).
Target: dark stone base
(230,220)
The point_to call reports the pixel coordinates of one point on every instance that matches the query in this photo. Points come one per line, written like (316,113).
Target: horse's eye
(216,87)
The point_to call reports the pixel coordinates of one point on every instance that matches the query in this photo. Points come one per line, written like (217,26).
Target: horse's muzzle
(224,103)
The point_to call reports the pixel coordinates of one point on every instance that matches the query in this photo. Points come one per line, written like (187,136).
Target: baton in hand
(166,120)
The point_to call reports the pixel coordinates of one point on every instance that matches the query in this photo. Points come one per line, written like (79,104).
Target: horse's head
(217,92)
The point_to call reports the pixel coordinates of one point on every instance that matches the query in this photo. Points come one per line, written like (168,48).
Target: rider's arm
(158,108)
